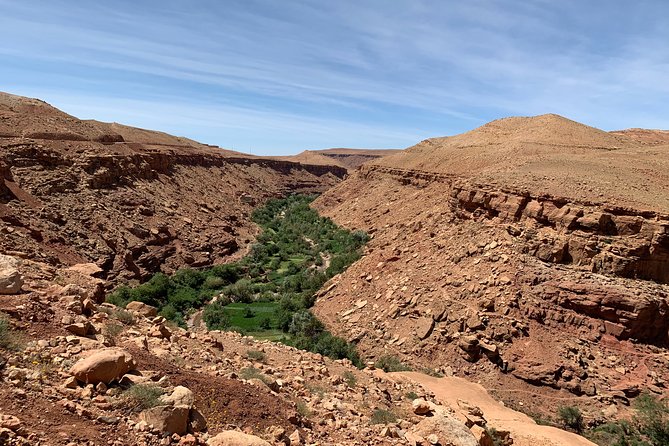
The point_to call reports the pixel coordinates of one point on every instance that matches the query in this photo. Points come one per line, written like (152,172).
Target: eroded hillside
(530,254)
(131,201)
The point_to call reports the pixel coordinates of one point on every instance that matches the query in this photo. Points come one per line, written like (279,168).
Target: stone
(421,407)
(70,383)
(235,438)
(10,277)
(444,429)
(167,419)
(196,421)
(470,345)
(295,438)
(482,436)
(424,327)
(105,365)
(10,422)
(80,328)
(180,396)
(142,309)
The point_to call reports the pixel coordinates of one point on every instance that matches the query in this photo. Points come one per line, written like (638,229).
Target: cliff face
(536,291)
(132,201)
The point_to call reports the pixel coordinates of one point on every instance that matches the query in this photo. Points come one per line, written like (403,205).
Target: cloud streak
(400,68)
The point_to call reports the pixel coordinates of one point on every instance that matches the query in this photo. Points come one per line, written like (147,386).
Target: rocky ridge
(132,201)
(545,295)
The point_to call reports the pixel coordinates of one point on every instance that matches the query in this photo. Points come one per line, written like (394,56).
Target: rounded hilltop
(549,155)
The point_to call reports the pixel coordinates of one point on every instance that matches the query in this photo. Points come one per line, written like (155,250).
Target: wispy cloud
(391,69)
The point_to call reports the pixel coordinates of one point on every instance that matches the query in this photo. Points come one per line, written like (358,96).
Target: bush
(111,331)
(265,323)
(571,417)
(350,379)
(5,332)
(382,416)
(124,316)
(653,418)
(142,396)
(256,355)
(214,282)
(391,363)
(215,317)
(411,395)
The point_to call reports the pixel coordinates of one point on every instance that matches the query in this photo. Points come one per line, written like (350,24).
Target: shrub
(391,363)
(111,331)
(303,409)
(256,355)
(215,317)
(240,291)
(142,396)
(571,417)
(350,379)
(5,332)
(253,373)
(124,316)
(265,323)
(653,418)
(382,416)
(214,282)
(411,395)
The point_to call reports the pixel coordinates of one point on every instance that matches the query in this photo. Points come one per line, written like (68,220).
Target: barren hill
(530,254)
(132,201)
(549,155)
(645,135)
(349,159)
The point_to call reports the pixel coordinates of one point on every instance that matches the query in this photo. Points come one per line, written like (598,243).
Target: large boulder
(105,365)
(167,419)
(10,277)
(235,438)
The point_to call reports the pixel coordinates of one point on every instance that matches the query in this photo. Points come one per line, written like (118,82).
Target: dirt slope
(525,432)
(530,254)
(130,200)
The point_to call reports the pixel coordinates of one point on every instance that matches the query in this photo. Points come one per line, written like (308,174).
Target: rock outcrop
(132,201)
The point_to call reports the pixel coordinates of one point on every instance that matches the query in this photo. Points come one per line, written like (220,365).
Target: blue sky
(281,76)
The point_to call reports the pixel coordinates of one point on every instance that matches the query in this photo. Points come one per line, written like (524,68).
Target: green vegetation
(5,332)
(268,293)
(350,379)
(256,355)
(649,427)
(390,363)
(382,416)
(411,395)
(571,417)
(142,396)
